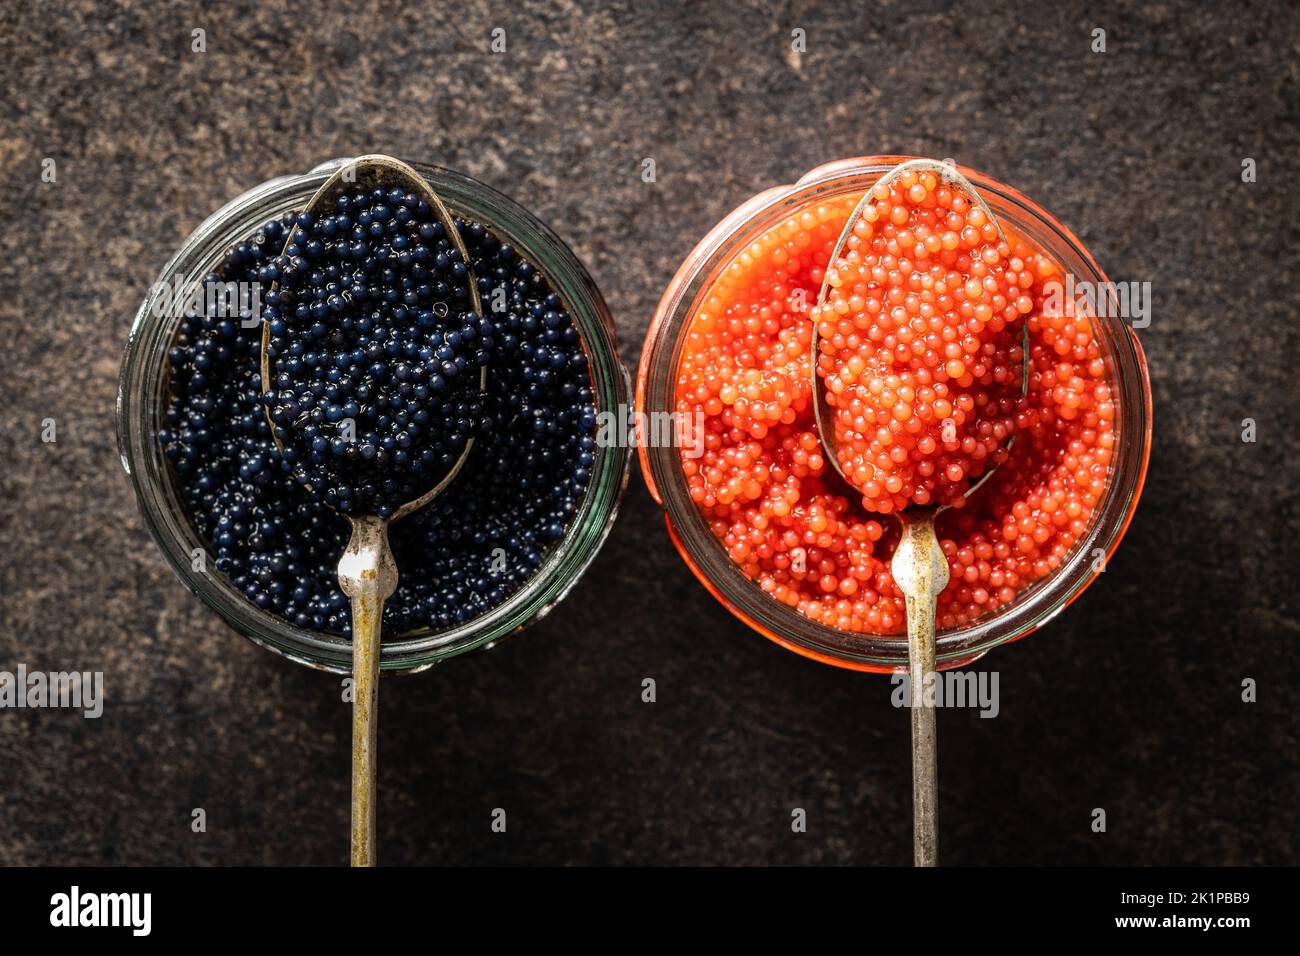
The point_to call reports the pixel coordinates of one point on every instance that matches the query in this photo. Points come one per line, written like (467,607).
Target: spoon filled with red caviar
(920,349)
(372,372)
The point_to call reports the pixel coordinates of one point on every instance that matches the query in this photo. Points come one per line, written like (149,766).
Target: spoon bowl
(822,412)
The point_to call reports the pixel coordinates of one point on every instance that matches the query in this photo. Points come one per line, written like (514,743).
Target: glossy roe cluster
(920,344)
(463,554)
(763,484)
(375,350)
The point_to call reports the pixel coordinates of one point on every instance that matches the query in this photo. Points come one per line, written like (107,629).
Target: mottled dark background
(1130,701)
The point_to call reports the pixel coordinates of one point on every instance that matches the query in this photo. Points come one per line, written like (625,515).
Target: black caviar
(375,350)
(475,544)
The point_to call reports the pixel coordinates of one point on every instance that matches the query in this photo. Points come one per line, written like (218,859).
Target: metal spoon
(367,571)
(919,565)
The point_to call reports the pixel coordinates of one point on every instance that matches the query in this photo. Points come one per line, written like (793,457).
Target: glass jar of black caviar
(550,558)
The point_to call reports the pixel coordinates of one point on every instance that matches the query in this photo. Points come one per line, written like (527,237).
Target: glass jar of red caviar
(730,249)
(141,403)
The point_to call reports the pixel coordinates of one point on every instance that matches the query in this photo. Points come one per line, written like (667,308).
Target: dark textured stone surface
(1130,701)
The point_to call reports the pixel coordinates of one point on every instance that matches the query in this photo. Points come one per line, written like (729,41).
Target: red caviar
(926,373)
(920,342)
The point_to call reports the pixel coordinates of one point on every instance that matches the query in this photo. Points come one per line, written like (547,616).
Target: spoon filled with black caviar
(374,360)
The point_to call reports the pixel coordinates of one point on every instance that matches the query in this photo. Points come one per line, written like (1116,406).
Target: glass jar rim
(660,466)
(139,398)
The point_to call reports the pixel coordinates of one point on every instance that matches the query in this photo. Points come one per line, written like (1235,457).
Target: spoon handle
(367,575)
(921,571)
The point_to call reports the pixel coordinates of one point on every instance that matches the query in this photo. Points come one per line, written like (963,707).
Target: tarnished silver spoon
(919,565)
(367,571)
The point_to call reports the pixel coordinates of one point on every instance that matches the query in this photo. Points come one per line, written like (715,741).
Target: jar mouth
(140,401)
(1036,604)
